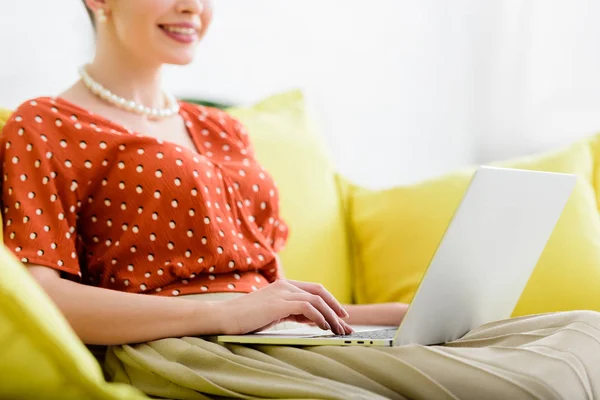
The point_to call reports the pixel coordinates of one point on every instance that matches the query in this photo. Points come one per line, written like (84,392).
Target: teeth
(182,31)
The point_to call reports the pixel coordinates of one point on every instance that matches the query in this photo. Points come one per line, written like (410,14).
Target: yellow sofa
(364,246)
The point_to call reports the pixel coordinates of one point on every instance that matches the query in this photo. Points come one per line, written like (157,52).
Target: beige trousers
(552,356)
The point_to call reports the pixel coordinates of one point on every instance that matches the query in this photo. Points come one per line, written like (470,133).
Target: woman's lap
(547,357)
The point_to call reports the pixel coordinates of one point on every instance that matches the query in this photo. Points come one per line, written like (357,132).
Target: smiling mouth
(181,34)
(179,30)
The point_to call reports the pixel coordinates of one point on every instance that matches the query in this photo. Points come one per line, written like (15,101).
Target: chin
(178,59)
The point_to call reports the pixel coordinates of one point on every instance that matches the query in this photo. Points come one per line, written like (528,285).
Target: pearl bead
(129,105)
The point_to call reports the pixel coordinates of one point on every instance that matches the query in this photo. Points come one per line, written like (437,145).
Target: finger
(303,320)
(319,290)
(347,327)
(330,316)
(307,310)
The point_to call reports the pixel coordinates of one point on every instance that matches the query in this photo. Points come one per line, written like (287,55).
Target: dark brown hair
(90,14)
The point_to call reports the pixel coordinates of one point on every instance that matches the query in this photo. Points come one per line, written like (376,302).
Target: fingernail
(346,315)
(349,327)
(328,326)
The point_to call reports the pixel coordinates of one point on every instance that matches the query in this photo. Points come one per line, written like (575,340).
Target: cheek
(206,17)
(136,21)
(137,34)
(207,6)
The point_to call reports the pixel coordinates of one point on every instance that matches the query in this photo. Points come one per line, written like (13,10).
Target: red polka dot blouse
(120,210)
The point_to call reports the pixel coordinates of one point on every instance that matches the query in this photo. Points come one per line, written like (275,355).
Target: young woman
(128,206)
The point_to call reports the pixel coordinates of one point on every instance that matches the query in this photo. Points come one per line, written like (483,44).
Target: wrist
(376,314)
(208,317)
(393,313)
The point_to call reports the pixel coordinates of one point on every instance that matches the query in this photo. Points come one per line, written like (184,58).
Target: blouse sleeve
(39,195)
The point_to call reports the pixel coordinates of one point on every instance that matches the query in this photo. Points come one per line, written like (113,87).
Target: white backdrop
(537,75)
(402,90)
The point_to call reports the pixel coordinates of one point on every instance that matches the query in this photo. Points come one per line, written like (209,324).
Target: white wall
(403,90)
(42,43)
(391,78)
(538,75)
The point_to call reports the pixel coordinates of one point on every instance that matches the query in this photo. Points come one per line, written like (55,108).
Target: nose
(190,7)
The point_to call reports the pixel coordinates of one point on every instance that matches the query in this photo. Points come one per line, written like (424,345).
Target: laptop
(478,271)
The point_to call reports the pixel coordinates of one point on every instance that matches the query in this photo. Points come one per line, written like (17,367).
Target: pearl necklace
(129,105)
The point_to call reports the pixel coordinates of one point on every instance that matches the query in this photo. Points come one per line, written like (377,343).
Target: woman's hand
(283,300)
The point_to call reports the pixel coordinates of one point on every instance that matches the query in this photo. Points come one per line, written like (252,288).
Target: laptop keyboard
(377,334)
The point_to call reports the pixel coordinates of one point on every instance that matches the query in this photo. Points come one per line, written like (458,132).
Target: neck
(133,79)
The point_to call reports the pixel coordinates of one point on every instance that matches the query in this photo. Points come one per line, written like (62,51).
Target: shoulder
(217,119)
(37,128)
(41,118)
(38,106)
(206,113)
(34,113)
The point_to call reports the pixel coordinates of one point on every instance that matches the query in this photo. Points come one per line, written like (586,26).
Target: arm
(376,314)
(102,316)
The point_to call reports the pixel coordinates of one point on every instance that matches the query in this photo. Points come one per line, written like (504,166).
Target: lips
(183,33)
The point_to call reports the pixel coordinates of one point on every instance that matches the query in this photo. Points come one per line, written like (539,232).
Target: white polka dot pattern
(151,217)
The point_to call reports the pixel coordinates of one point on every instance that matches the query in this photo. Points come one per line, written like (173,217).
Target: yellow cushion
(290,149)
(4,114)
(41,357)
(396,233)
